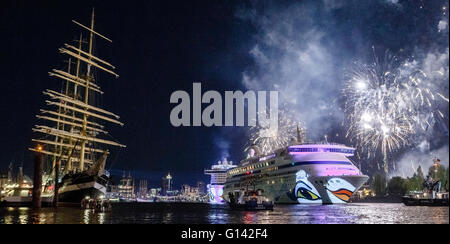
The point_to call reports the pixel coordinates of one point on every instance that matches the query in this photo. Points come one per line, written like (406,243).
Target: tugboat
(430,196)
(250,200)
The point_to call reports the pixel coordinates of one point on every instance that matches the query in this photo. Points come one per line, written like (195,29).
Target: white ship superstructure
(302,173)
(218,174)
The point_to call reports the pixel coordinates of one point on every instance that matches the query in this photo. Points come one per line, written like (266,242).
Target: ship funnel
(301,134)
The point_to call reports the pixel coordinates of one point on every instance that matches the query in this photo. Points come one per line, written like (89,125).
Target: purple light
(216,192)
(327,170)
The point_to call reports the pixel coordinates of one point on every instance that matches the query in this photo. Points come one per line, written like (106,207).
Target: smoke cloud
(291,57)
(423,157)
(224,147)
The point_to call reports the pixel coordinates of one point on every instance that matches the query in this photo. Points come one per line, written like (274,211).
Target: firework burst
(387,103)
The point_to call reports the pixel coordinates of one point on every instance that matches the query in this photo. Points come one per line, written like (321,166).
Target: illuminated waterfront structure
(166,185)
(189,193)
(15,190)
(218,175)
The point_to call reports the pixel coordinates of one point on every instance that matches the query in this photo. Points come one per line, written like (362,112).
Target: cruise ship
(218,174)
(302,173)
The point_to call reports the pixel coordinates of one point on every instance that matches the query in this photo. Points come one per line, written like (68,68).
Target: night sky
(163,46)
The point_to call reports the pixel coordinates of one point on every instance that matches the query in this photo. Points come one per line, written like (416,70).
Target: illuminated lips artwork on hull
(343,194)
(339,190)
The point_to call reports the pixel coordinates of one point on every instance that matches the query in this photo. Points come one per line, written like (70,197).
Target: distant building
(155,192)
(3,179)
(10,178)
(189,193)
(185,189)
(201,187)
(166,185)
(363,192)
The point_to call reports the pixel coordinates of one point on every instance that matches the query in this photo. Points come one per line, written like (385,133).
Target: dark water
(155,213)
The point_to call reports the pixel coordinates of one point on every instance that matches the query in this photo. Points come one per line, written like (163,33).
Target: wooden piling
(37,181)
(55,195)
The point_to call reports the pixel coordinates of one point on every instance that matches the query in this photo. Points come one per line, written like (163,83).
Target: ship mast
(78,122)
(86,96)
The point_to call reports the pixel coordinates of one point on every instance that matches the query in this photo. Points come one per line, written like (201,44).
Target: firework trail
(388,103)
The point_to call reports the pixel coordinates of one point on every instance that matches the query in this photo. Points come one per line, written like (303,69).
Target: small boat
(426,199)
(25,201)
(250,200)
(431,195)
(19,195)
(144,200)
(123,199)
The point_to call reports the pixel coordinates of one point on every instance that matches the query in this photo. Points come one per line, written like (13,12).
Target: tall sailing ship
(73,139)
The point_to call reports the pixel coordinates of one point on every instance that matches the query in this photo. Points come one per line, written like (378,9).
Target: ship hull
(77,187)
(311,190)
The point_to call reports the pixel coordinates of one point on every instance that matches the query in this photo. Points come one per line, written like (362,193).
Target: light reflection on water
(153,213)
